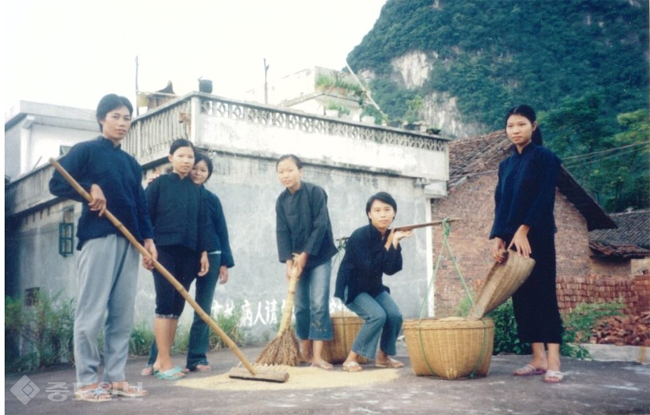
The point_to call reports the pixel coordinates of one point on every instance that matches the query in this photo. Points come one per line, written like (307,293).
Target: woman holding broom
(305,241)
(220,259)
(370,252)
(107,265)
(524,222)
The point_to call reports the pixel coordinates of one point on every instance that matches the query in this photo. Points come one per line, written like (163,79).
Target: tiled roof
(633,228)
(621,251)
(481,155)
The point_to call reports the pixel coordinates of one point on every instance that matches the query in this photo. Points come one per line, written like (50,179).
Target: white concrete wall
(232,135)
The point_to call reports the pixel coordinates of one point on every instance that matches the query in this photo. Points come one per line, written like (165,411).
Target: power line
(604,151)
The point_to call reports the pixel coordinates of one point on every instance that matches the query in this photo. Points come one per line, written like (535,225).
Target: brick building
(473,167)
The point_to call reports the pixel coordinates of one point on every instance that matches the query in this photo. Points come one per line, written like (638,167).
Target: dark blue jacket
(525,193)
(119,176)
(303,225)
(178,213)
(218,239)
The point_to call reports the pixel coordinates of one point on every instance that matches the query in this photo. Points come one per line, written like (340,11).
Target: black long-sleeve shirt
(119,176)
(218,239)
(525,193)
(364,264)
(178,212)
(303,225)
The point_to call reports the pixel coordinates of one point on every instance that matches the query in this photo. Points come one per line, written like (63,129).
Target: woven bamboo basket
(345,326)
(501,282)
(450,348)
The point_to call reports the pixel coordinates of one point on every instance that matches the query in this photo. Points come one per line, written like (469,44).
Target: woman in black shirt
(524,222)
(370,252)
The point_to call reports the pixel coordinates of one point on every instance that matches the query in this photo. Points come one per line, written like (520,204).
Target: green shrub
(44,329)
(231,325)
(506,339)
(579,323)
(142,337)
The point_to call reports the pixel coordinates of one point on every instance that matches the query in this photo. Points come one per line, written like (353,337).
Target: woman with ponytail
(525,224)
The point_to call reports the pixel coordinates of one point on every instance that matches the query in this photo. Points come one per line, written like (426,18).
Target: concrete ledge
(613,353)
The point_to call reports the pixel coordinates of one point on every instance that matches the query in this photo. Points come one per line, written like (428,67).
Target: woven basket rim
(439,323)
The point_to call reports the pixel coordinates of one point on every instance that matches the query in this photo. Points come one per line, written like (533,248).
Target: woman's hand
(399,235)
(205,264)
(299,261)
(499,252)
(147,262)
(99,200)
(520,241)
(223,274)
(152,178)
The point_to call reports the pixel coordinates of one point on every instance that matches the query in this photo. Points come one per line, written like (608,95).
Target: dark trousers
(199,332)
(183,263)
(535,302)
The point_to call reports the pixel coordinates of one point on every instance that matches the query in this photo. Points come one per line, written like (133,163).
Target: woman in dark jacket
(370,252)
(524,222)
(304,237)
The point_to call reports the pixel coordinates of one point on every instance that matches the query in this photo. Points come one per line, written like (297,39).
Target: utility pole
(137,90)
(266,85)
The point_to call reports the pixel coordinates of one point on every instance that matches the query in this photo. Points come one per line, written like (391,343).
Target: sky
(72,52)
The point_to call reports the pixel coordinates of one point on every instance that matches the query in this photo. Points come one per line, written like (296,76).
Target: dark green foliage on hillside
(492,53)
(583,63)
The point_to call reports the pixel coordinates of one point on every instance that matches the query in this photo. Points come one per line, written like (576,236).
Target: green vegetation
(577,328)
(582,64)
(45,331)
(41,335)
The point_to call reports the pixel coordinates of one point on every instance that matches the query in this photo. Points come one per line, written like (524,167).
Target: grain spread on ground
(299,378)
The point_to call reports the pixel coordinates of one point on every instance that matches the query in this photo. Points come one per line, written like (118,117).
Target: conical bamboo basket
(451,348)
(501,282)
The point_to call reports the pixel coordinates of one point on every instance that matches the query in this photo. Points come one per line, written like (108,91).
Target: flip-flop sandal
(553,376)
(129,391)
(323,365)
(529,370)
(198,368)
(390,364)
(352,367)
(148,371)
(93,395)
(174,373)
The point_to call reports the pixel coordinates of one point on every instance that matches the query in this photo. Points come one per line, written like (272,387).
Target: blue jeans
(382,317)
(312,303)
(199,332)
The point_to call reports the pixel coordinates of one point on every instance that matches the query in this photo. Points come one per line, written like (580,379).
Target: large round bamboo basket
(450,348)
(345,327)
(501,282)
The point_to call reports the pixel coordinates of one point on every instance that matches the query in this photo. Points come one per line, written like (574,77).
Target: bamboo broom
(250,373)
(284,349)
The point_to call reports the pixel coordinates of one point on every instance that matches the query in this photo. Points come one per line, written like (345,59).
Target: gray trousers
(107,271)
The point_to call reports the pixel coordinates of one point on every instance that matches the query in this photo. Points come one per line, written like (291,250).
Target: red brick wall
(634,292)
(473,203)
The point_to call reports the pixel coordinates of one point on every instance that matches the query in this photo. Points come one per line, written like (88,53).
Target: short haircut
(110,102)
(382,197)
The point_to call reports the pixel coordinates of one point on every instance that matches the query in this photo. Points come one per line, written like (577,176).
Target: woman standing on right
(524,222)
